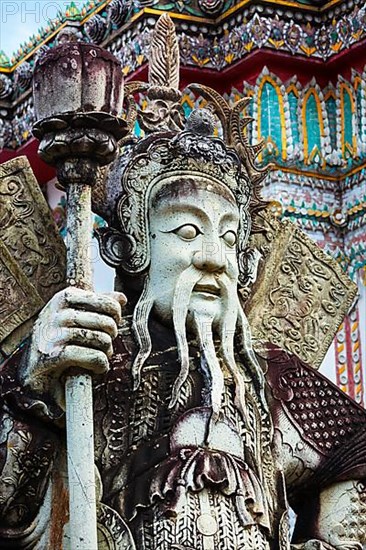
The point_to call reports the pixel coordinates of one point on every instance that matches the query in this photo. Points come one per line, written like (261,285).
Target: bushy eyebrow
(229,218)
(184,208)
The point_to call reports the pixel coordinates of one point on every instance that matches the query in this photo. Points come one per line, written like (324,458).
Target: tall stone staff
(78,93)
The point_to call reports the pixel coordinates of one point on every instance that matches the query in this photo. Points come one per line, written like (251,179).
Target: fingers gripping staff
(79,130)
(75,329)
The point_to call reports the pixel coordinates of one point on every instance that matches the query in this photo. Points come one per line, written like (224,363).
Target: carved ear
(115,247)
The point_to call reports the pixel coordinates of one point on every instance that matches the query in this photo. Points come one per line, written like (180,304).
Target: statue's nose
(211,258)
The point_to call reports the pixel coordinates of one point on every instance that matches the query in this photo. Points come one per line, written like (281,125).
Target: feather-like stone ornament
(164,55)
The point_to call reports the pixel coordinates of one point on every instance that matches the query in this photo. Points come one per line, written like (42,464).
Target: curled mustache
(140,327)
(185,284)
(227,331)
(211,368)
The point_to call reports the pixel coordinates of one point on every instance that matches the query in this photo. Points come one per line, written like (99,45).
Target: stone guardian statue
(201,443)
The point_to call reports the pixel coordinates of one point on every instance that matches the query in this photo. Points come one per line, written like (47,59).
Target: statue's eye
(230,238)
(187,232)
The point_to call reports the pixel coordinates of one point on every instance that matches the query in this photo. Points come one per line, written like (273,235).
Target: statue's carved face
(193,224)
(192,281)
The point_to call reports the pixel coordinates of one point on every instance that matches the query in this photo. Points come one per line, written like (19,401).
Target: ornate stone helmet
(173,148)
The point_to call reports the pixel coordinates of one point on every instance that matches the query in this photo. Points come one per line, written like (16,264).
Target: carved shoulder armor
(328,428)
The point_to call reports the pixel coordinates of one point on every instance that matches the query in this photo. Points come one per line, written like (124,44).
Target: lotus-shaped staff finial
(78,95)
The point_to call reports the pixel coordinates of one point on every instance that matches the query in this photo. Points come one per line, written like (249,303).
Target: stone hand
(74,330)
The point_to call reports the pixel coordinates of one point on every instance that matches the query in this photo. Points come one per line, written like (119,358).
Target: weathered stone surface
(79,130)
(77,78)
(32,249)
(301,294)
(199,442)
(19,298)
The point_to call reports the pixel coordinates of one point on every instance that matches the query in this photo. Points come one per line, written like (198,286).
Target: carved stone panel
(19,300)
(32,253)
(301,294)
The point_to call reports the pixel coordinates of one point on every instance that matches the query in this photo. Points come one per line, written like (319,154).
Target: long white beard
(205,328)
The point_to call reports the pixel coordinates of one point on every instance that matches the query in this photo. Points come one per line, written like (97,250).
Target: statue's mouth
(211,290)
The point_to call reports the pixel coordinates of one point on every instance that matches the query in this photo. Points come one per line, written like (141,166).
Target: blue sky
(21,19)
